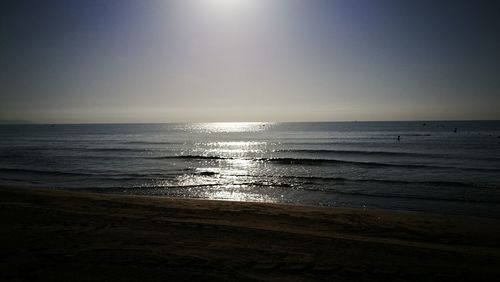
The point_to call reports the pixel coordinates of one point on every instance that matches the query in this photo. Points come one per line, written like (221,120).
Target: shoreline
(52,234)
(485,208)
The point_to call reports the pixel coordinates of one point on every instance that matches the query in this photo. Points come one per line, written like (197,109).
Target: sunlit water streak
(431,167)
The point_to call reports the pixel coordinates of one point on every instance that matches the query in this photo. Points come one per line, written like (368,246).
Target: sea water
(445,167)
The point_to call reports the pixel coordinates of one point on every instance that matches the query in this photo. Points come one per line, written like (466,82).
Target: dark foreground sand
(63,236)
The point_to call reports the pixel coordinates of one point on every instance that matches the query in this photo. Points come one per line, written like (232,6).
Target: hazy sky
(248,60)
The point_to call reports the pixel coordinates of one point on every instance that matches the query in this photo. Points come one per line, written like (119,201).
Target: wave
(45,172)
(153,143)
(305,180)
(290,161)
(116,150)
(192,157)
(323,162)
(428,197)
(401,182)
(94,176)
(185,192)
(410,134)
(309,180)
(319,162)
(173,188)
(354,152)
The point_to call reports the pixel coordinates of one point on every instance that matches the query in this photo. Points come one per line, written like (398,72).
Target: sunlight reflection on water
(228,127)
(432,168)
(237,194)
(231,149)
(232,178)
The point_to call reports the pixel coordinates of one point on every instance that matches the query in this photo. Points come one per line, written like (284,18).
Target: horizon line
(201,122)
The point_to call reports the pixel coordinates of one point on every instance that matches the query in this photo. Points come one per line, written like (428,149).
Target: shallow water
(357,164)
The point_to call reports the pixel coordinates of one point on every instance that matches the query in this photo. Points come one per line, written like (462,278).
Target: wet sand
(52,235)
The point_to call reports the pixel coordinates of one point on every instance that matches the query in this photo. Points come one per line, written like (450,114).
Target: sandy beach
(53,235)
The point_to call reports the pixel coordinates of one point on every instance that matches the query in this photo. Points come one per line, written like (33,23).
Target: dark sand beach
(52,235)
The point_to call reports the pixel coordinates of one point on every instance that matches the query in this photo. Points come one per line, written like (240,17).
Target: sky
(69,61)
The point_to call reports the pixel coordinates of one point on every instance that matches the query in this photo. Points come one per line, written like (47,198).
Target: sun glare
(230,6)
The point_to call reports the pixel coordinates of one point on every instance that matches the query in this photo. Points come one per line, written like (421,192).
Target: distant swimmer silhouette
(455,130)
(399,137)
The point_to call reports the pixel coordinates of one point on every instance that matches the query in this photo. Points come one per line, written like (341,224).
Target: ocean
(449,167)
